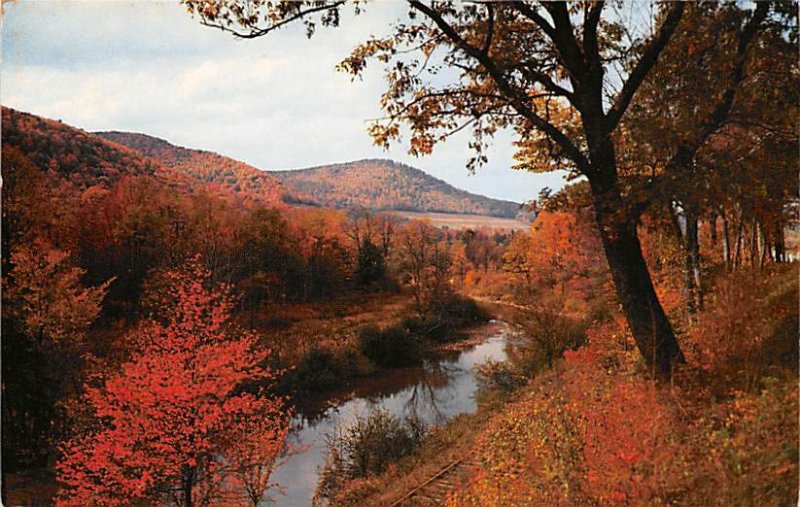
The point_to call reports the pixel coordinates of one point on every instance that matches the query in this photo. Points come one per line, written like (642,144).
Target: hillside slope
(386,185)
(211,170)
(78,156)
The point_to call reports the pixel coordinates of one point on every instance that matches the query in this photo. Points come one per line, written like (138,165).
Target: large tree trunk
(646,318)
(186,486)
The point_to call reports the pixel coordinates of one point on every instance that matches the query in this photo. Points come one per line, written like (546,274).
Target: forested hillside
(386,185)
(83,158)
(210,169)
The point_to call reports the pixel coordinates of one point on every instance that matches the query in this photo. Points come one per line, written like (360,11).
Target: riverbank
(294,331)
(433,393)
(595,429)
(381,334)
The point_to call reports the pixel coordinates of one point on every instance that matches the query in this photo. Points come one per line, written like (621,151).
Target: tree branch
(518,99)
(259,32)
(548,83)
(567,45)
(591,19)
(722,110)
(643,66)
(527,11)
(489,29)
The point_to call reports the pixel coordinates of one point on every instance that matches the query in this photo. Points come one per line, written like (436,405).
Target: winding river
(436,392)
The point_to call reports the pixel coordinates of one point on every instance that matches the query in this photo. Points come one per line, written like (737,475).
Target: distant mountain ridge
(382,184)
(376,184)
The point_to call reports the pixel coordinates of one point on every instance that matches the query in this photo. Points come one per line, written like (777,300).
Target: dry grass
(294,330)
(457,221)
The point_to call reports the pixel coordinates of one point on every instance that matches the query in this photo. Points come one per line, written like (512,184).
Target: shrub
(367,448)
(544,338)
(458,310)
(446,315)
(431,328)
(392,347)
(498,379)
(749,329)
(317,371)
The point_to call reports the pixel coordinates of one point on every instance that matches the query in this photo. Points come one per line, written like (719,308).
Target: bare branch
(591,18)
(548,83)
(530,13)
(565,41)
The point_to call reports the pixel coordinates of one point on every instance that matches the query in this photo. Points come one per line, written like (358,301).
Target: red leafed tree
(173,419)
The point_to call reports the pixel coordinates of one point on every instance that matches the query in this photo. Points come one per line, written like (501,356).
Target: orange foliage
(173,418)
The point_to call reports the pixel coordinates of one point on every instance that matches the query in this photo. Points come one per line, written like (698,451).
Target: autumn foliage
(593,431)
(188,417)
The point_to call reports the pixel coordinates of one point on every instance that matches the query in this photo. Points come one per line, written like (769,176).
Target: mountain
(386,185)
(208,169)
(81,157)
(375,184)
(88,159)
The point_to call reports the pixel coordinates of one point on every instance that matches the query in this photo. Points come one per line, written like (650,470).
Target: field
(458,221)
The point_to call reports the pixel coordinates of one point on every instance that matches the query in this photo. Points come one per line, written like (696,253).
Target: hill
(386,185)
(82,158)
(209,169)
(88,159)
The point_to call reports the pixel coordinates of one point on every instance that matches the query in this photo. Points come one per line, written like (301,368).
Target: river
(436,392)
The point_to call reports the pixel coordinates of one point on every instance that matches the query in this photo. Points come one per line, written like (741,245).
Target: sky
(275,102)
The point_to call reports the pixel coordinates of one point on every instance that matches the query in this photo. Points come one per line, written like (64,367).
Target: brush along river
(435,392)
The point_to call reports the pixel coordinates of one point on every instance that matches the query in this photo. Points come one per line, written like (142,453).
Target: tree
(172,418)
(366,231)
(681,163)
(546,70)
(25,201)
(561,261)
(370,265)
(424,262)
(516,259)
(46,315)
(45,296)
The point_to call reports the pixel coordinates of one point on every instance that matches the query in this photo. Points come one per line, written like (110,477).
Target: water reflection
(434,392)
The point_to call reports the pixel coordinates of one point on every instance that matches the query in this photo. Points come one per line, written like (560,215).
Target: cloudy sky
(275,102)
